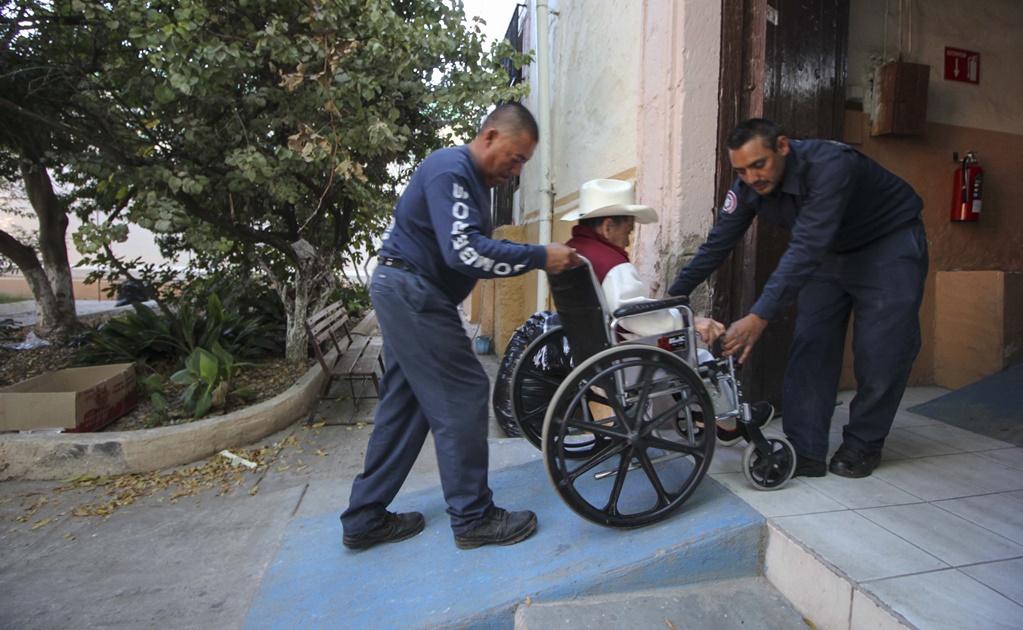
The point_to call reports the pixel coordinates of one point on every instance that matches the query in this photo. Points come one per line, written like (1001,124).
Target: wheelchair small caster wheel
(772,470)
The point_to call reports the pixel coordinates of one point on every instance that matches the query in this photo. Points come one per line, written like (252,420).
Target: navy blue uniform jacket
(442,227)
(832,197)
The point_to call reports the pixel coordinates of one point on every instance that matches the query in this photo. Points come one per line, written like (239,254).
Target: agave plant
(207,376)
(146,336)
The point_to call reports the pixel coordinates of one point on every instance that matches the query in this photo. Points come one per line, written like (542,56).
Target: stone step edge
(817,590)
(820,591)
(725,603)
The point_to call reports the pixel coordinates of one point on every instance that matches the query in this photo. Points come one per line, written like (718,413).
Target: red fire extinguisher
(967,188)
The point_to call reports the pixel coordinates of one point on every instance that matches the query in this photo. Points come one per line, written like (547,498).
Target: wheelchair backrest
(579,301)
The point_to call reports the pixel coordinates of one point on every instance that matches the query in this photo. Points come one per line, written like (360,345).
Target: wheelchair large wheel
(769,471)
(639,404)
(542,367)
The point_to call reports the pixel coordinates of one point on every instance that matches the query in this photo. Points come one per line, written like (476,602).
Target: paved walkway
(935,535)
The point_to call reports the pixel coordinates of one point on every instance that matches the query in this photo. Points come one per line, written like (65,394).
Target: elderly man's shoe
(853,462)
(498,527)
(806,467)
(393,528)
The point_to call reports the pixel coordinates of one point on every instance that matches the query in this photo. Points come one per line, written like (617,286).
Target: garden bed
(268,379)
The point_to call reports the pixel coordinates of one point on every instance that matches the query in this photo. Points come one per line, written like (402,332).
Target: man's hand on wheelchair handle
(742,335)
(708,329)
(561,257)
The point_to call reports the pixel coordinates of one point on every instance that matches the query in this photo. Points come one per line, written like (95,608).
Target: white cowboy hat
(609,198)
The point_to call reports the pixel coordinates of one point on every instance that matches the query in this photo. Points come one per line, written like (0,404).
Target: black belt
(387,261)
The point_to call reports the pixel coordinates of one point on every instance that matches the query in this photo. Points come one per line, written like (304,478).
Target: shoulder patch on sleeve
(731,202)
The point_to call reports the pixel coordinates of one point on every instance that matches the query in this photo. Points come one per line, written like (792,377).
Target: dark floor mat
(991,407)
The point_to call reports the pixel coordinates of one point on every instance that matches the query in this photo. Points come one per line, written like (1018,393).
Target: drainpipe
(545,141)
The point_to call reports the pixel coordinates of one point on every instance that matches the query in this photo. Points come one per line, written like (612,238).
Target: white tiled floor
(935,534)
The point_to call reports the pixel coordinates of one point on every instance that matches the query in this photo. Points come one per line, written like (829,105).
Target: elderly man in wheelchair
(629,431)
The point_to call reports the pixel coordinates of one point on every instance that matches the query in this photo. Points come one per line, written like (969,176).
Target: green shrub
(207,376)
(152,387)
(142,336)
(148,337)
(355,297)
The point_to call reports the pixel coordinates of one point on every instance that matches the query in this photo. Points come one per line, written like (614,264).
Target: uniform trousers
(882,286)
(432,382)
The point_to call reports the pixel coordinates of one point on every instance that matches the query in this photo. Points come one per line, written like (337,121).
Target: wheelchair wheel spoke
(611,507)
(667,417)
(673,447)
(770,469)
(546,378)
(580,416)
(597,459)
(534,416)
(762,468)
(596,396)
(606,389)
(663,496)
(537,376)
(646,383)
(598,429)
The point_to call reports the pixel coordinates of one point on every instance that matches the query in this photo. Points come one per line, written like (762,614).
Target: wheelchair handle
(646,307)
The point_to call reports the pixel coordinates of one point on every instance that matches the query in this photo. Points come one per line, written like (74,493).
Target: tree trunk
(55,298)
(307,293)
(25,258)
(296,349)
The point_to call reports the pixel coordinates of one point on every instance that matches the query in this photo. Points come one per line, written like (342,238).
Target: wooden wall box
(901,99)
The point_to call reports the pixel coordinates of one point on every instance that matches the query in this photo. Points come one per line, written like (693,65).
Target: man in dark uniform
(436,248)
(858,246)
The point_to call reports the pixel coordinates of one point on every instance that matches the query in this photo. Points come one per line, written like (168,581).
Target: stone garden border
(50,456)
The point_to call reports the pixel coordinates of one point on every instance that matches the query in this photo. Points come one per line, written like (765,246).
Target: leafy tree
(255,133)
(32,88)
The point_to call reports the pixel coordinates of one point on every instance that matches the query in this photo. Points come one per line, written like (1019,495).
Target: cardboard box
(75,399)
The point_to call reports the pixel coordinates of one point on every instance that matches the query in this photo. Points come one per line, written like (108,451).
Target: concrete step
(740,604)
(427,582)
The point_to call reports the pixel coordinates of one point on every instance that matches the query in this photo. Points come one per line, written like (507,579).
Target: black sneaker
(761,414)
(393,528)
(498,527)
(852,462)
(806,467)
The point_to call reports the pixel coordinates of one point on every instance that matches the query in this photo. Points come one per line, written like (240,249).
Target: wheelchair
(627,427)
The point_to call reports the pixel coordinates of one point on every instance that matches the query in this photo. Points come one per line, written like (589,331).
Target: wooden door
(784,60)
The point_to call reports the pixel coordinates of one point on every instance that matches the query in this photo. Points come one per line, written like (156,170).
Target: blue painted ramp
(427,582)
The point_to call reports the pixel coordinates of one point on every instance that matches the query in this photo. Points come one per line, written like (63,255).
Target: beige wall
(595,89)
(984,118)
(15,286)
(633,97)
(991,27)
(595,54)
(677,134)
(990,244)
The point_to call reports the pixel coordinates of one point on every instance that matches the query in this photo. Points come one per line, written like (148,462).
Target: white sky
(496,13)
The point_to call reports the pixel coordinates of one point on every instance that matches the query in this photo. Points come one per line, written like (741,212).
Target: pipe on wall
(543,115)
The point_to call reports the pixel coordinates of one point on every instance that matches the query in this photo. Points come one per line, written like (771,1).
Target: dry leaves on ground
(220,473)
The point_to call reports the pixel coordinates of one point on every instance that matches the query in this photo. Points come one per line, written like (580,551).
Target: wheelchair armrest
(647,307)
